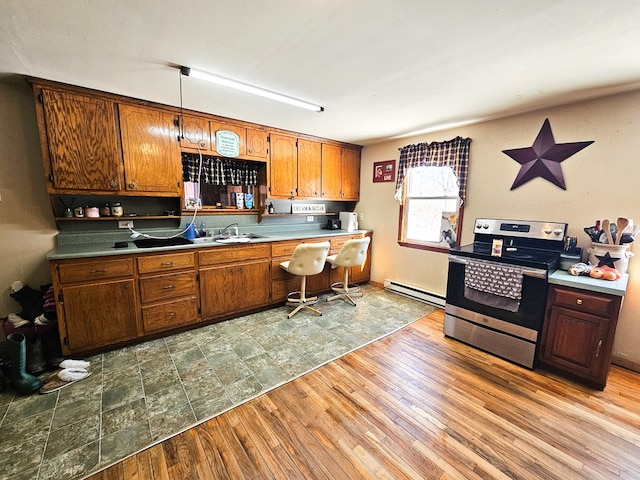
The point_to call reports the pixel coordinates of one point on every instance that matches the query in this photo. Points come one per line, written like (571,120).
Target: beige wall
(28,230)
(603,181)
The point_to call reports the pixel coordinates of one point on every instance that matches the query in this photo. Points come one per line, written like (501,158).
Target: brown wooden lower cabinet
(104,302)
(578,333)
(99,314)
(168,286)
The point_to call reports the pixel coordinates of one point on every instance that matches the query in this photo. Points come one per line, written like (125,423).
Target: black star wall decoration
(543,158)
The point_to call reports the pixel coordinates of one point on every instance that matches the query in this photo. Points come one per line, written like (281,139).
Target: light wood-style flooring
(414,405)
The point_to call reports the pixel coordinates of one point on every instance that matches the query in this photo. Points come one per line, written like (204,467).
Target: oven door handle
(529,272)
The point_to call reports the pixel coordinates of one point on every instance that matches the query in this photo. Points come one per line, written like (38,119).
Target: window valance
(452,153)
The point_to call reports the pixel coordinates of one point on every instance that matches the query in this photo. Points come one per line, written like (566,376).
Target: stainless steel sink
(241,238)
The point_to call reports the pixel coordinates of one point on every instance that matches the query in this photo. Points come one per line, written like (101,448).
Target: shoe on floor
(64,377)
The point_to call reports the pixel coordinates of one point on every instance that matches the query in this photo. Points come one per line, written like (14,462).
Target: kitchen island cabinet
(578,332)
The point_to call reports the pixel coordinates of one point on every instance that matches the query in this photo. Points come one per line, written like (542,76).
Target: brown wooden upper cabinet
(195,133)
(295,167)
(151,150)
(307,169)
(283,168)
(82,148)
(340,172)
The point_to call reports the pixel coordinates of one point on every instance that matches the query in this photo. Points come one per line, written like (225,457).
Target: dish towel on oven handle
(492,284)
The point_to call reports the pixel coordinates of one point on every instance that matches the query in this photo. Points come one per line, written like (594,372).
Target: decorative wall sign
(384,171)
(227,143)
(308,208)
(543,158)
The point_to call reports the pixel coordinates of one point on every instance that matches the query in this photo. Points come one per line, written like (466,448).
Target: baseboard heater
(415,293)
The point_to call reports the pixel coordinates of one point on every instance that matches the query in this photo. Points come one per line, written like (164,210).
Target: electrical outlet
(309,218)
(193,203)
(360,216)
(125,223)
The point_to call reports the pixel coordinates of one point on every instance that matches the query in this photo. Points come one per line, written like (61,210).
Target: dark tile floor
(142,394)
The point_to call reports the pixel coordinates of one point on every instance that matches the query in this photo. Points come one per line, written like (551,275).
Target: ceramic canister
(619,255)
(92,212)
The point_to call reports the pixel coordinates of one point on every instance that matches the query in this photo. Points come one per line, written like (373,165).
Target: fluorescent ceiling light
(245,87)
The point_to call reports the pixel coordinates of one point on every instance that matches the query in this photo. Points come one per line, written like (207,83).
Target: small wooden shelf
(308,214)
(123,218)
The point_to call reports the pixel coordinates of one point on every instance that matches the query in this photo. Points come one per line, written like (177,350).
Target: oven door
(510,335)
(530,313)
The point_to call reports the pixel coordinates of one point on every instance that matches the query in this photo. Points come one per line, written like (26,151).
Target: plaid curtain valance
(452,153)
(218,171)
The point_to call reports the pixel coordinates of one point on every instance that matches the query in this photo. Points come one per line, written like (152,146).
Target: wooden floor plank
(413,405)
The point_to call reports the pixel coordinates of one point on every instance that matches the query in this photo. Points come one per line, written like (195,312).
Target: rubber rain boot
(23,382)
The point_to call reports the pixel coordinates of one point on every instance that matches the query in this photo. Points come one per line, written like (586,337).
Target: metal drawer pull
(598,348)
(171,314)
(169,287)
(166,264)
(579,301)
(98,270)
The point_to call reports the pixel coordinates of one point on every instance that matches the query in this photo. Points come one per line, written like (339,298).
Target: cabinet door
(195,133)
(151,151)
(240,131)
(99,314)
(283,166)
(83,142)
(350,177)
(257,144)
(216,292)
(235,288)
(309,168)
(331,172)
(575,342)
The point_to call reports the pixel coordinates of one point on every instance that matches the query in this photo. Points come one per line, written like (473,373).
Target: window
(431,188)
(431,207)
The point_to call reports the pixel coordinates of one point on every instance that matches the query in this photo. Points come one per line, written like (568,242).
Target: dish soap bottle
(203,231)
(271,209)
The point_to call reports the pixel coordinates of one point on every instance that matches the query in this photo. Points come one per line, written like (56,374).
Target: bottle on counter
(202,232)
(116,210)
(105,210)
(271,208)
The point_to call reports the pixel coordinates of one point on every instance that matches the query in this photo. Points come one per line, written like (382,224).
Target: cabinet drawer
(216,256)
(167,286)
(170,314)
(284,249)
(80,272)
(162,263)
(338,242)
(582,301)
(278,273)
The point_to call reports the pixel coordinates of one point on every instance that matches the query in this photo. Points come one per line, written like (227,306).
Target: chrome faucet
(225,230)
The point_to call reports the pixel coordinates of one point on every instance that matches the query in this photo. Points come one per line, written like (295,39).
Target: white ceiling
(380,68)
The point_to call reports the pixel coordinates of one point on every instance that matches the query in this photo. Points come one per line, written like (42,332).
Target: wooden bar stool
(306,259)
(352,254)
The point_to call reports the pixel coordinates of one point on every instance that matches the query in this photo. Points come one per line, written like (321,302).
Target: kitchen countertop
(585,282)
(102,249)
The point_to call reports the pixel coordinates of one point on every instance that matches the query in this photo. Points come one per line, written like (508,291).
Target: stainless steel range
(497,286)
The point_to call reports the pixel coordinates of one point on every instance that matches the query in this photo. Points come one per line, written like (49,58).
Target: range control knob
(547,230)
(558,231)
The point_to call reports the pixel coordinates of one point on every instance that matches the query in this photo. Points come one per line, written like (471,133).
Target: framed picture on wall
(384,171)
